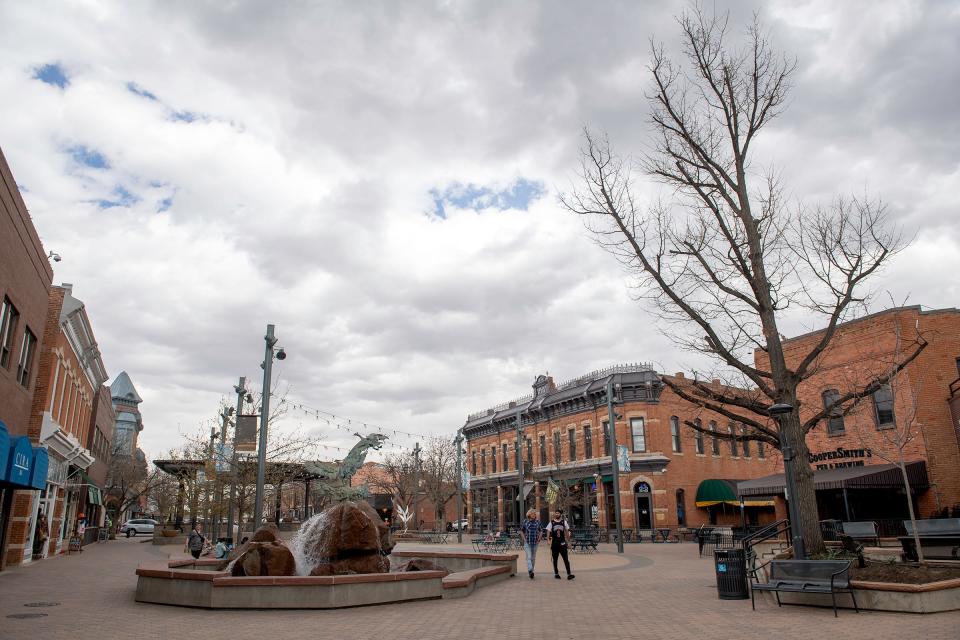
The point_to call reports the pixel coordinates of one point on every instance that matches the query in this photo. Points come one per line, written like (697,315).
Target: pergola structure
(278,474)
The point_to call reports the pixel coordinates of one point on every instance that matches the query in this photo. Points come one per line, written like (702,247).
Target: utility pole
(211,465)
(267,365)
(612,435)
(217,487)
(416,483)
(519,458)
(458,442)
(241,390)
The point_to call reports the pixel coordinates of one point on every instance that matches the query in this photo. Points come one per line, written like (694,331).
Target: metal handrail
(771,530)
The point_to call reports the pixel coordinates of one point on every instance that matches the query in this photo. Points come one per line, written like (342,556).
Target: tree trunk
(806,496)
(913,518)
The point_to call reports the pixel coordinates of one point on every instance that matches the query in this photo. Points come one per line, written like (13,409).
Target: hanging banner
(465,480)
(623,459)
(223,454)
(246,438)
(552,489)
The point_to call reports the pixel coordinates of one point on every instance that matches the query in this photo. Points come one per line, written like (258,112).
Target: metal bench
(584,542)
(805,576)
(861,531)
(939,539)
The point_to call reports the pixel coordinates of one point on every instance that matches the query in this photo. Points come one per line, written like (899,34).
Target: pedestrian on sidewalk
(532,531)
(195,541)
(559,531)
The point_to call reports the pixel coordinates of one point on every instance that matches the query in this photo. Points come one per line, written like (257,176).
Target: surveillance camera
(54,256)
(281,354)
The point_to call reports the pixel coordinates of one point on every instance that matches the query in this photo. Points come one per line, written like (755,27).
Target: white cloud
(300,193)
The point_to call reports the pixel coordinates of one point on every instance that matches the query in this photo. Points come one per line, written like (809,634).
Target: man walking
(532,531)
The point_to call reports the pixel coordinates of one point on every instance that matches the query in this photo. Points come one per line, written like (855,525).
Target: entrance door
(644,519)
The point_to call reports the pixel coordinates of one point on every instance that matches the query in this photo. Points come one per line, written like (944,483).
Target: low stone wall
(183,581)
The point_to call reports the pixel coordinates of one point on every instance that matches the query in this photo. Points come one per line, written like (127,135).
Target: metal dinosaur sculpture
(335,476)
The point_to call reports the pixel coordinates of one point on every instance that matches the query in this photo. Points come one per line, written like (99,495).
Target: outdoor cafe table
(664,534)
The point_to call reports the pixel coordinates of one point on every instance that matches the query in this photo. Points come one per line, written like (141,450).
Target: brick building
(851,453)
(677,476)
(71,373)
(100,445)
(25,278)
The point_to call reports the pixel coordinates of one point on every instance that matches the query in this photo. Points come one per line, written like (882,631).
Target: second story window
(506,456)
(638,435)
(715,440)
(8,327)
(483,462)
(675,433)
(835,419)
(883,407)
(745,443)
(606,437)
(761,452)
(529,443)
(543,450)
(25,364)
(698,436)
(473,461)
(733,440)
(556,447)
(587,442)
(572,441)
(493,459)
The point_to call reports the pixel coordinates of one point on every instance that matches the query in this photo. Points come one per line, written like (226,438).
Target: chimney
(678,374)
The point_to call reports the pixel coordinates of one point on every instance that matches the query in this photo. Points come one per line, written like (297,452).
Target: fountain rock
(349,537)
(265,559)
(266,533)
(419,564)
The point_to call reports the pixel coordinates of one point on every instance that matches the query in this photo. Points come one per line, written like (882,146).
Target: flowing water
(308,552)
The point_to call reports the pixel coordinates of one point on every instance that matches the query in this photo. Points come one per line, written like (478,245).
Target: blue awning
(4,450)
(41,462)
(19,462)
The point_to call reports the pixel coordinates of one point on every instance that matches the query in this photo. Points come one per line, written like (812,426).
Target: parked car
(458,525)
(139,525)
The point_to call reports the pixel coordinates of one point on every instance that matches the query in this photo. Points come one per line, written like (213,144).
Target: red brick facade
(673,473)
(25,278)
(865,348)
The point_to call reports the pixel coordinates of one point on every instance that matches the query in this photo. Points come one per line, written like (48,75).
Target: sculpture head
(372,440)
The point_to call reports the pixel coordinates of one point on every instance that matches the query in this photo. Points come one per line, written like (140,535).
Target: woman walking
(195,541)
(532,531)
(558,530)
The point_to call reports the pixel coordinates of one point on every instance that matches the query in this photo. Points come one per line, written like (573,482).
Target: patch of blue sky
(88,157)
(185,116)
(52,74)
(518,195)
(164,204)
(121,198)
(136,89)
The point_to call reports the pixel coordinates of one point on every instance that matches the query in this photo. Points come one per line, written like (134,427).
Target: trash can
(731,566)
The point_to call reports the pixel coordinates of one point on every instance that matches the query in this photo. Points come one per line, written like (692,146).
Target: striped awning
(875,476)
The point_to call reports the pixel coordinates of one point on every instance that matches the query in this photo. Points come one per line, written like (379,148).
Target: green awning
(717,491)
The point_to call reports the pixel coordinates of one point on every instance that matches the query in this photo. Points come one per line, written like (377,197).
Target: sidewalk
(661,591)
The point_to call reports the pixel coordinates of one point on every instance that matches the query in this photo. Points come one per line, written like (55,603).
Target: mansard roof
(123,389)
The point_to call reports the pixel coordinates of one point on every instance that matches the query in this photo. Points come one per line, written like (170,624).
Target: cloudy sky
(380,181)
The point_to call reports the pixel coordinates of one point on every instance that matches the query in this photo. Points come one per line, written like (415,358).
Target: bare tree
(397,477)
(724,258)
(438,478)
(128,479)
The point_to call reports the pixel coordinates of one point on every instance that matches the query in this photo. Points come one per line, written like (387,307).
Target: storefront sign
(844,458)
(20,461)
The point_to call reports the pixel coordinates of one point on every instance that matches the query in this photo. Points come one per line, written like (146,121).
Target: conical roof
(123,389)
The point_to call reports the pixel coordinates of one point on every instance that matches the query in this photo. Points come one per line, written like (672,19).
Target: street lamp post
(777,412)
(267,365)
(458,443)
(241,390)
(612,436)
(217,465)
(519,458)
(416,483)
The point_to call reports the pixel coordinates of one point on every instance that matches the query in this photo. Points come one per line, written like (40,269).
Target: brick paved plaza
(653,591)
